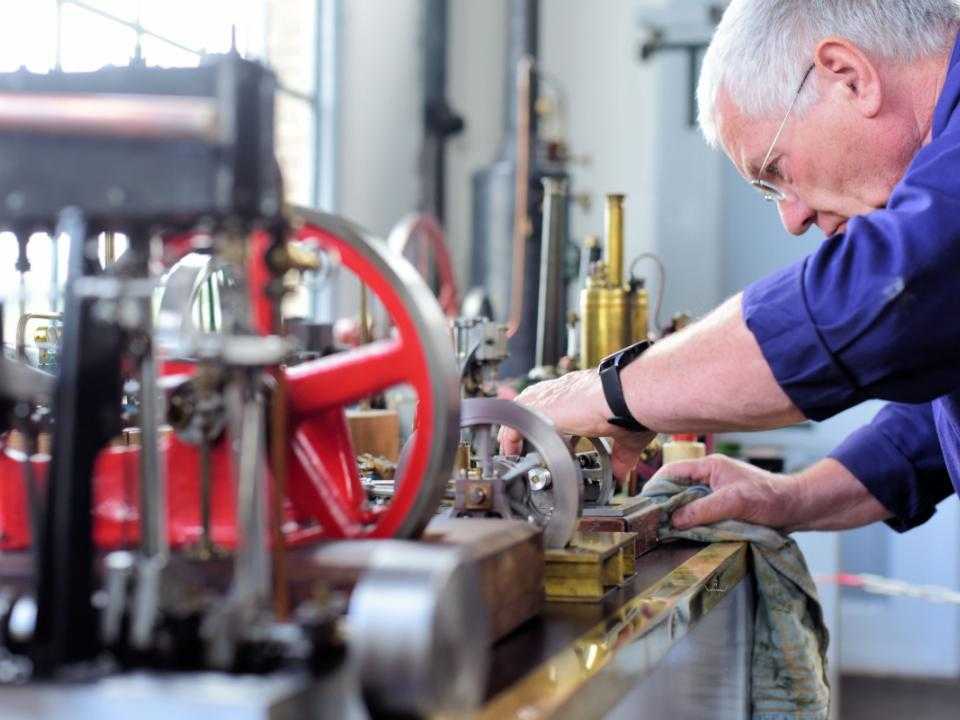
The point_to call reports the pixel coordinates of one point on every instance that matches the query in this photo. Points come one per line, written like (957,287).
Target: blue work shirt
(875,313)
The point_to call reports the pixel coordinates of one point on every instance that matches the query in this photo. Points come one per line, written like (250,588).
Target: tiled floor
(870,698)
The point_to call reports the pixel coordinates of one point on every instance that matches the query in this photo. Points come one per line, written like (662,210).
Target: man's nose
(796,216)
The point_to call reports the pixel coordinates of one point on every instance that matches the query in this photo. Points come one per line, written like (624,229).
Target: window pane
(295,147)
(90,41)
(38,281)
(123,9)
(157,53)
(291,42)
(28,37)
(206,25)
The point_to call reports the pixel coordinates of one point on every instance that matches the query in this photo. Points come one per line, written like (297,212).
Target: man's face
(831,162)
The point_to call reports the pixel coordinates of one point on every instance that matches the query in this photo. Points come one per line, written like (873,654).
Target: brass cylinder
(639,313)
(463,457)
(590,300)
(613,220)
(614,326)
(604,322)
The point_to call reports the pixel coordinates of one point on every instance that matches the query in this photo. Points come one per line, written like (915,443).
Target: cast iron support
(86,403)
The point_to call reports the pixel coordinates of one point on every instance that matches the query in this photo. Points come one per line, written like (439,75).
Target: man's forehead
(741,137)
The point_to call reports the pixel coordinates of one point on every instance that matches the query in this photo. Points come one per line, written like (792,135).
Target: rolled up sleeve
(872,313)
(898,459)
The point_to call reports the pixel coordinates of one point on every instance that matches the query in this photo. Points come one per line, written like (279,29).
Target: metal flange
(545,486)
(597,468)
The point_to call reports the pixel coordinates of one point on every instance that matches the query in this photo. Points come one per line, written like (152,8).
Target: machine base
(591,564)
(625,514)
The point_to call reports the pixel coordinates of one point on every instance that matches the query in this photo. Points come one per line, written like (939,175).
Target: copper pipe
(140,116)
(521,217)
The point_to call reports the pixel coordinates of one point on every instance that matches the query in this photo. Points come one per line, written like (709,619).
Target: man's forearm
(710,377)
(827,496)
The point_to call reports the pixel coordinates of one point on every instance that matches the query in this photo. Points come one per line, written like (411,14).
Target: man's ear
(844,70)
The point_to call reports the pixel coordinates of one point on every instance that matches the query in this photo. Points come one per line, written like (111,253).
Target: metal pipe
(130,116)
(522,30)
(66,629)
(550,316)
(613,220)
(153,493)
(252,566)
(154,543)
(440,120)
(279,434)
(109,248)
(521,214)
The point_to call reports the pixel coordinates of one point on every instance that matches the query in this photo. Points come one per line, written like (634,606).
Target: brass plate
(590,669)
(592,563)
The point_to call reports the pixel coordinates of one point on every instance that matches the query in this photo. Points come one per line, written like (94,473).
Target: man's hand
(576,405)
(825,496)
(740,492)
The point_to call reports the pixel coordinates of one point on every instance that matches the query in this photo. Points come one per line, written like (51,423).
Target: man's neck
(922,82)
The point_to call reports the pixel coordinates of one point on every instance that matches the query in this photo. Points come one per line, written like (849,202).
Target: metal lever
(250,589)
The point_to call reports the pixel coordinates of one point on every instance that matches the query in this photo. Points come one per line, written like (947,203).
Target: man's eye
(773,170)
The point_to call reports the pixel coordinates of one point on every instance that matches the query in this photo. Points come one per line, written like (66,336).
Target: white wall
(590,49)
(612,108)
(475,74)
(380,117)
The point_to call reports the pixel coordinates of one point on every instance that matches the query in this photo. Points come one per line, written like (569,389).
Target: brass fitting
(613,220)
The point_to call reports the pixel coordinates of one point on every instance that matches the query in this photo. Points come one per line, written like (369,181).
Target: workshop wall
(625,122)
(587,53)
(476,47)
(379,122)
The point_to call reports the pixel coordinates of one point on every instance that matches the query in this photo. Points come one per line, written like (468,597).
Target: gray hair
(762,48)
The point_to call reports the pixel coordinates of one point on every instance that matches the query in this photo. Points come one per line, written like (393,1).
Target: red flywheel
(324,496)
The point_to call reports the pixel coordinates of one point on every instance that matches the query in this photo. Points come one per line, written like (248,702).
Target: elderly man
(845,114)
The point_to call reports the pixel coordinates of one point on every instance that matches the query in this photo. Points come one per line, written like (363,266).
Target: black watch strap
(609,369)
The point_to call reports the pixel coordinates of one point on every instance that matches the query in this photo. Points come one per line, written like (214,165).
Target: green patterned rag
(789,667)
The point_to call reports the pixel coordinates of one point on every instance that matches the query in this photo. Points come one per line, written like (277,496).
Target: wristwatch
(609,370)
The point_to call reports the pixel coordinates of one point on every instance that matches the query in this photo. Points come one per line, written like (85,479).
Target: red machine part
(324,479)
(425,229)
(324,495)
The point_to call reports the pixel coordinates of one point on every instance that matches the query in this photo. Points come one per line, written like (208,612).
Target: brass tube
(614,322)
(639,313)
(590,299)
(604,320)
(613,219)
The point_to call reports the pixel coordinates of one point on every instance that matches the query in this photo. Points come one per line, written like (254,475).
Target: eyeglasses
(769,191)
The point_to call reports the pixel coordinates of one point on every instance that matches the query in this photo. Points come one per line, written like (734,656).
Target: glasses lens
(769,192)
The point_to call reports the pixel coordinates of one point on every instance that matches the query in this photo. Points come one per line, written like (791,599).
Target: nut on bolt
(478,496)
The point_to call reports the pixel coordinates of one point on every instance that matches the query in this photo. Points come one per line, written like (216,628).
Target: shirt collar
(950,95)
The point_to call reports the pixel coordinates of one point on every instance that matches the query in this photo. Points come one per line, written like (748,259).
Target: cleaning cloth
(789,664)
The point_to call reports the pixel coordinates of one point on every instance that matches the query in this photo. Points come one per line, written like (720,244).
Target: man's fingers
(700,470)
(623,460)
(717,506)
(511,442)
